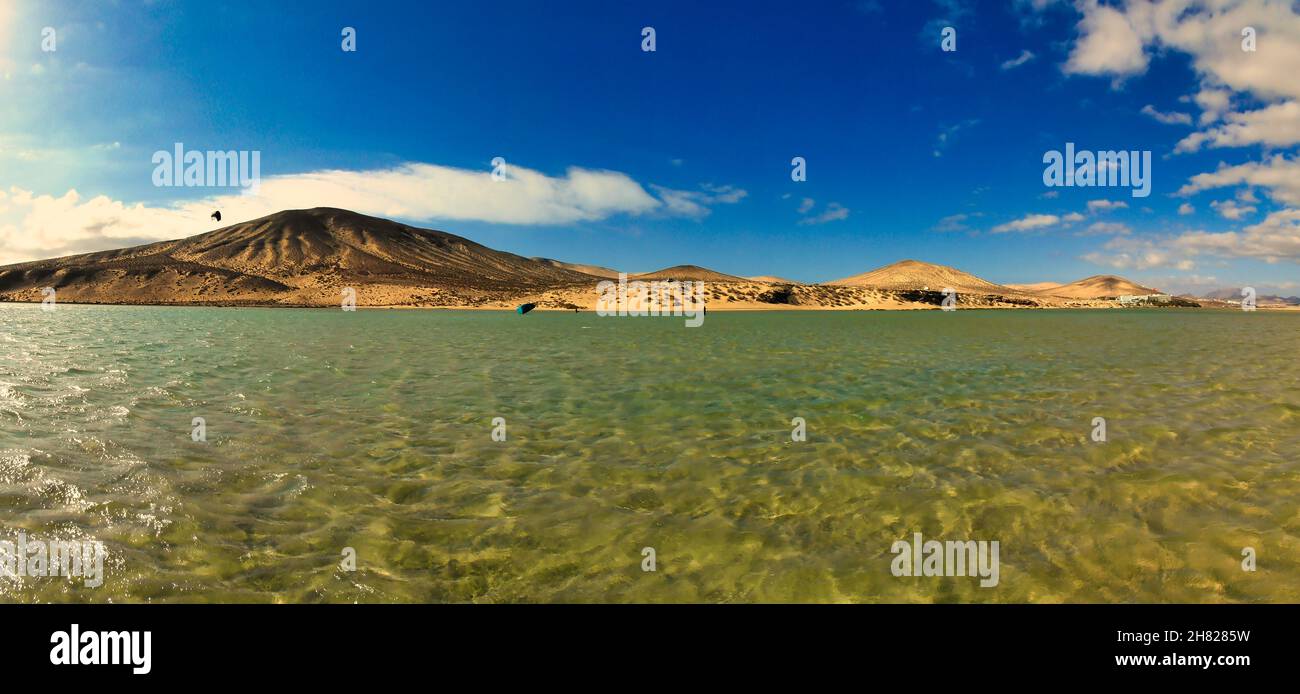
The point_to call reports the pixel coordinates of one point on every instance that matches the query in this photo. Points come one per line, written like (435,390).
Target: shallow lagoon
(373,430)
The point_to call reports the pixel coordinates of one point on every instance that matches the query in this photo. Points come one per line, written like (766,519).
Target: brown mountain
(593,270)
(689,273)
(914,274)
(291,257)
(1098,287)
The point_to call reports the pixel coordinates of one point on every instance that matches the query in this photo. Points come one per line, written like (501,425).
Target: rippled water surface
(372,430)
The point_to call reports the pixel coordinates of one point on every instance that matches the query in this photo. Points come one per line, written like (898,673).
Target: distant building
(1145,299)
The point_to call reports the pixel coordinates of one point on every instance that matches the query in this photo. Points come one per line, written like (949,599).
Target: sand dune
(914,275)
(1098,287)
(770,279)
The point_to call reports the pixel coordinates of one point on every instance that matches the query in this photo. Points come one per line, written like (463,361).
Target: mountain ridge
(311,257)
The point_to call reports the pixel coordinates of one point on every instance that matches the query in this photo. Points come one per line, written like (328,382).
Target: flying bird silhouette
(217,215)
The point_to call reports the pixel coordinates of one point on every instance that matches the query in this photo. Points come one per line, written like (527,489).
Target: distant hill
(294,256)
(689,273)
(593,270)
(769,279)
(1035,287)
(914,274)
(1234,295)
(1098,287)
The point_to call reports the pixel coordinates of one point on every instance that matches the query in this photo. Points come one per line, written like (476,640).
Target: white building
(1144,299)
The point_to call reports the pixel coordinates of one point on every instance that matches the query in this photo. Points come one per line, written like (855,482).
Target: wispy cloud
(1036,222)
(697,203)
(949,133)
(954,223)
(1106,229)
(1171,118)
(1028,223)
(832,212)
(1024,57)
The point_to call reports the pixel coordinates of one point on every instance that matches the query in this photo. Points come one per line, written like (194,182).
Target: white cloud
(1028,223)
(1105,205)
(1125,253)
(1106,229)
(1213,103)
(1277,125)
(1186,208)
(1024,57)
(806,205)
(433,192)
(1229,209)
(1273,240)
(695,203)
(726,195)
(1171,118)
(833,213)
(39,226)
(953,223)
(1279,176)
(1108,44)
(1033,222)
(1113,41)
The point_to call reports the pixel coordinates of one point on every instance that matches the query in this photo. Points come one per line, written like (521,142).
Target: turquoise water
(373,430)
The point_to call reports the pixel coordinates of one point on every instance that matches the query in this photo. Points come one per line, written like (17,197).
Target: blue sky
(912,152)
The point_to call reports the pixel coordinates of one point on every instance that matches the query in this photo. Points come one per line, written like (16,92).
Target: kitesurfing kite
(217,215)
(525,308)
